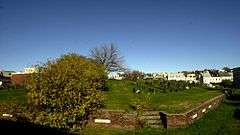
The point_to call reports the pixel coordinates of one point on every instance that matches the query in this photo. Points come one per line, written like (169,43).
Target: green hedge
(162,85)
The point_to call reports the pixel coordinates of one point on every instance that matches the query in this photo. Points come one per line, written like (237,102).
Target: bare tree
(109,56)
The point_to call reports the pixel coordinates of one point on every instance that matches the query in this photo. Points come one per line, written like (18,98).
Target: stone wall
(187,118)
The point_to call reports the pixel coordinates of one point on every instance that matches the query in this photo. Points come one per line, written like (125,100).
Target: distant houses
(208,77)
(178,76)
(19,78)
(183,76)
(15,78)
(5,77)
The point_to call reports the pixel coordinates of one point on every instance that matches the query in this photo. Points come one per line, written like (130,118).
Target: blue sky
(153,35)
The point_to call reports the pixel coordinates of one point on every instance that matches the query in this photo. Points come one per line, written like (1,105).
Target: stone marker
(194,116)
(103,121)
(204,110)
(7,115)
(138,91)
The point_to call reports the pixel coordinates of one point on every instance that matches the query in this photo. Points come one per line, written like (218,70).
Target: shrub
(133,75)
(226,84)
(65,91)
(162,85)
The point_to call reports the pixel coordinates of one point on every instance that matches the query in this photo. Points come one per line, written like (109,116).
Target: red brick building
(19,79)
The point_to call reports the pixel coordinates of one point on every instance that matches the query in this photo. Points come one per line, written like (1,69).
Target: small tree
(109,56)
(236,77)
(133,75)
(65,91)
(227,69)
(227,84)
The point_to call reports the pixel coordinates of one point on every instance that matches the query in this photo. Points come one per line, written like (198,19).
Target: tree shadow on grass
(24,127)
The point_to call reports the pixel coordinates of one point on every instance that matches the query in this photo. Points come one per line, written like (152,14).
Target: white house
(214,79)
(208,78)
(180,76)
(191,77)
(226,75)
(160,75)
(115,75)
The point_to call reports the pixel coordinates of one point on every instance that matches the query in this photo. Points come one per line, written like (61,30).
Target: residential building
(115,75)
(226,75)
(191,77)
(161,75)
(179,76)
(7,73)
(4,80)
(216,77)
(5,77)
(19,78)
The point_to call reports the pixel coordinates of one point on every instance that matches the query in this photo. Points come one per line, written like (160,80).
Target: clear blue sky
(153,35)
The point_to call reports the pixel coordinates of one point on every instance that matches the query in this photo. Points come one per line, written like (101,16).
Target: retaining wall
(126,120)
(187,118)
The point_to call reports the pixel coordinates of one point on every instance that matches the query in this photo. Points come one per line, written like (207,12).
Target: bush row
(162,85)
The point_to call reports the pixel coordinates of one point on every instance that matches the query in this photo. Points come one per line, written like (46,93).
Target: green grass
(216,122)
(13,96)
(181,101)
(120,96)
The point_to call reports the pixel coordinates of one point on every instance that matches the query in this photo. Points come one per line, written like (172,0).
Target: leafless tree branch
(109,56)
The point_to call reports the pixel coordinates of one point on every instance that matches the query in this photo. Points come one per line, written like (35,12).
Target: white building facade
(176,76)
(209,79)
(115,75)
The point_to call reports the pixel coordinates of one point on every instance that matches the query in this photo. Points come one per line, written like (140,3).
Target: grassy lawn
(216,122)
(120,96)
(13,95)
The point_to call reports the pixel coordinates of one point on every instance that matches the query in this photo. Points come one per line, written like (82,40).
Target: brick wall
(125,120)
(187,118)
(19,79)
(119,119)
